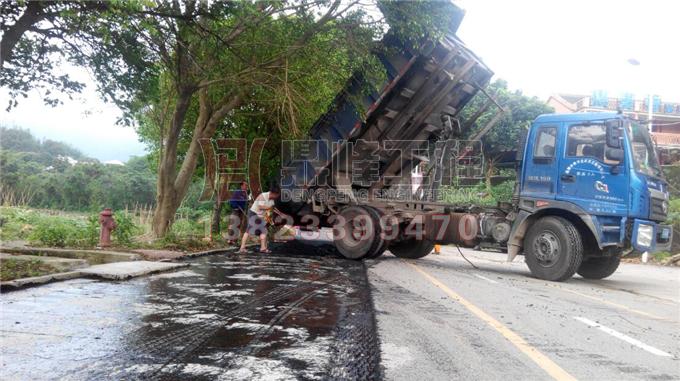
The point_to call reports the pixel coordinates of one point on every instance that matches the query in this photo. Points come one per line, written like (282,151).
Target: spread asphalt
(304,313)
(225,316)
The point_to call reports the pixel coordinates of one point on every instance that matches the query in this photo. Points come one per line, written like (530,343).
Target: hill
(52,174)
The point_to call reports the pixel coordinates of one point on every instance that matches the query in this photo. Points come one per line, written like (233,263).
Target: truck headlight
(645,235)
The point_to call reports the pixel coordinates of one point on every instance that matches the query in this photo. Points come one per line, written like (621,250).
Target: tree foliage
(521,110)
(188,70)
(37,38)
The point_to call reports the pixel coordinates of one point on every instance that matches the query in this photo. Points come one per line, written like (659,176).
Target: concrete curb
(23,283)
(204,253)
(128,270)
(73,253)
(20,283)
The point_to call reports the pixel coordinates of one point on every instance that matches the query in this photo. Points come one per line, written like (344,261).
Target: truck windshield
(644,154)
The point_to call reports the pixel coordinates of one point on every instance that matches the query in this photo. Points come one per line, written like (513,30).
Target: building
(665,116)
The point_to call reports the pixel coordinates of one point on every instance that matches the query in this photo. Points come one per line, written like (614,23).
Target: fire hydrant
(108,224)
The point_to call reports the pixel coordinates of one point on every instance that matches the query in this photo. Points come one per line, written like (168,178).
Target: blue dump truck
(589,185)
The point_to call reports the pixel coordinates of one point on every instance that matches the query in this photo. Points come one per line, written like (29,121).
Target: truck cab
(590,188)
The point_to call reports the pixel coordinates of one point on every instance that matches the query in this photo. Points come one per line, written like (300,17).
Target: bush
(16,223)
(672,173)
(91,234)
(125,229)
(186,228)
(661,256)
(58,232)
(13,269)
(68,232)
(476,195)
(674,211)
(503,191)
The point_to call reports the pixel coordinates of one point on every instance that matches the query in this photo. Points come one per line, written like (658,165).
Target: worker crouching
(257,220)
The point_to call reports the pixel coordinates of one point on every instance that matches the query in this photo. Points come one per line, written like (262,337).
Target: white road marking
(623,337)
(485,278)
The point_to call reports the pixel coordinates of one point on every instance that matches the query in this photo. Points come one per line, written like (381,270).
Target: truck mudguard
(532,208)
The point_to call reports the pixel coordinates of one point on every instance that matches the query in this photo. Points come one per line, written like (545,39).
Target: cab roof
(576,117)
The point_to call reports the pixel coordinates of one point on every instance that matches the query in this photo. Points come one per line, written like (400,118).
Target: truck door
(586,177)
(540,164)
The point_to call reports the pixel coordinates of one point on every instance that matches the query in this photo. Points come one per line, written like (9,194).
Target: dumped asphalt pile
(228,316)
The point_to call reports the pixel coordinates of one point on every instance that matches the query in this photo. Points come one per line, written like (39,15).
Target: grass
(13,269)
(51,228)
(661,256)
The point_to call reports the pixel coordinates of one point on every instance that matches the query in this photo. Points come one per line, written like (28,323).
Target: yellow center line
(534,354)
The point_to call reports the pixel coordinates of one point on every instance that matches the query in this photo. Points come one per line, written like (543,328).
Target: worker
(257,225)
(238,219)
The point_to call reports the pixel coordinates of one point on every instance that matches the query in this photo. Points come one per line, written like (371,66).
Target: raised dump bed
(371,141)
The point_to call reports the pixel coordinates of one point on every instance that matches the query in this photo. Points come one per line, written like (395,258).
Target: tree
(256,58)
(521,110)
(17,139)
(34,36)
(181,69)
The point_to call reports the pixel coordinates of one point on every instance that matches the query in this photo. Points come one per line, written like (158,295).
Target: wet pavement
(227,316)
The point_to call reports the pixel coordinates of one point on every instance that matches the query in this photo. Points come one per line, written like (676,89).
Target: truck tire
(356,234)
(382,245)
(411,248)
(553,249)
(599,267)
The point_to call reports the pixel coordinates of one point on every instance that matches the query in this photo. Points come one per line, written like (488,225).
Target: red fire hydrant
(108,224)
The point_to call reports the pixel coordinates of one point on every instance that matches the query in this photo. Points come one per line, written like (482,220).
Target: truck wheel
(553,249)
(599,267)
(356,234)
(411,248)
(382,245)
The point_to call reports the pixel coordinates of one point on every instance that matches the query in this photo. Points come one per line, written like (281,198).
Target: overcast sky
(540,47)
(577,46)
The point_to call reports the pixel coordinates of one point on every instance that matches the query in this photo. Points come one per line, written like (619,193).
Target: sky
(577,46)
(86,122)
(539,46)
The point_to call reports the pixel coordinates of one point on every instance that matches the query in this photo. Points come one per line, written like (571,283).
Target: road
(440,318)
(304,313)
(227,317)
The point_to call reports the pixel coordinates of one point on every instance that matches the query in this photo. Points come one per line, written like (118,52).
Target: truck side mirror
(614,154)
(614,133)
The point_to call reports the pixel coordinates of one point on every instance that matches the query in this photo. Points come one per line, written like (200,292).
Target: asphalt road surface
(303,313)
(226,317)
(440,318)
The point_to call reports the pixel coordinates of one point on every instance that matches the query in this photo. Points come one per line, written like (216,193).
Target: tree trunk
(216,218)
(173,185)
(33,14)
(164,215)
(167,200)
